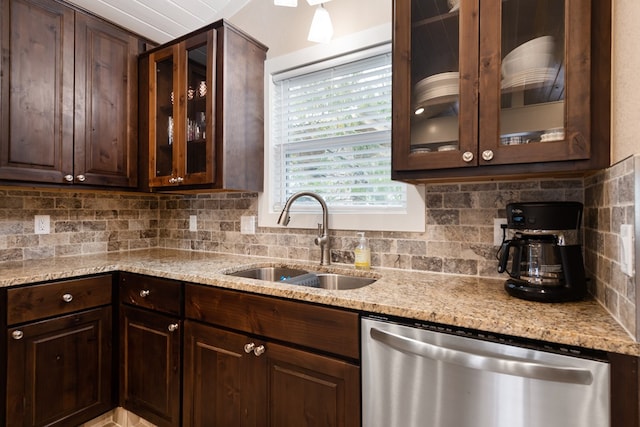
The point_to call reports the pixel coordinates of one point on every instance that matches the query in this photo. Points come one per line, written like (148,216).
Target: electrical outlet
(42,224)
(248,224)
(498,232)
(193,223)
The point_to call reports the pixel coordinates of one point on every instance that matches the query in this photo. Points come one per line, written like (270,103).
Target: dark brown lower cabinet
(150,365)
(220,379)
(59,370)
(307,389)
(233,379)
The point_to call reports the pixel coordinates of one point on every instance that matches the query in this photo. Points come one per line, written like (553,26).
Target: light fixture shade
(288,3)
(315,2)
(321,29)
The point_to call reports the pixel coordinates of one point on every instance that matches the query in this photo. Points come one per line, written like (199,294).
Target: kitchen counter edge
(459,301)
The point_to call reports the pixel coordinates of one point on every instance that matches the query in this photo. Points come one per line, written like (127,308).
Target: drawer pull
(144,293)
(173,327)
(67,297)
(17,335)
(248,348)
(259,350)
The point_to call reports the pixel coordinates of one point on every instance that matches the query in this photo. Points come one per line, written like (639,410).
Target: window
(330,133)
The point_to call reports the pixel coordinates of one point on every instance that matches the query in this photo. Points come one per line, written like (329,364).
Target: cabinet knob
(467,156)
(172,327)
(248,348)
(179,179)
(81,178)
(487,155)
(259,350)
(17,335)
(67,297)
(173,180)
(68,178)
(145,293)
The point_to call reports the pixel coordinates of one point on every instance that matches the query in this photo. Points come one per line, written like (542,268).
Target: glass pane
(532,97)
(164,117)
(435,79)
(197,95)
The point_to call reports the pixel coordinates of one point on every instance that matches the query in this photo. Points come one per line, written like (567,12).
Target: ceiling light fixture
(321,29)
(287,3)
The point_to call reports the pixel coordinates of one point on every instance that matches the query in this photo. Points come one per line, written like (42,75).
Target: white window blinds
(332,135)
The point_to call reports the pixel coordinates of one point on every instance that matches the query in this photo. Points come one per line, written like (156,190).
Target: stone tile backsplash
(458,236)
(81,222)
(609,203)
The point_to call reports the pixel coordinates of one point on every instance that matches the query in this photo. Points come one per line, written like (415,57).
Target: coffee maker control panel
(516,218)
(544,215)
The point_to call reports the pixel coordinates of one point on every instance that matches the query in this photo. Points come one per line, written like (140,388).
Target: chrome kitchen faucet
(322,239)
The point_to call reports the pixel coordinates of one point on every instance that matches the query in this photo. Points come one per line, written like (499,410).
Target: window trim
(358,45)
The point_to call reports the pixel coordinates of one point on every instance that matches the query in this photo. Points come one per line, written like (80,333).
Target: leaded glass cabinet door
(535,81)
(435,71)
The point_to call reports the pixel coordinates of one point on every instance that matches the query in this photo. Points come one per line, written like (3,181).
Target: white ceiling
(162,20)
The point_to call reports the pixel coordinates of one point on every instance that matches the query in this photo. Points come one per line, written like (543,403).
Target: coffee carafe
(544,251)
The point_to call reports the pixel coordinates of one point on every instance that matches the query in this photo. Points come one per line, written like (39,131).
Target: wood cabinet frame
(68,90)
(235,119)
(178,53)
(587,100)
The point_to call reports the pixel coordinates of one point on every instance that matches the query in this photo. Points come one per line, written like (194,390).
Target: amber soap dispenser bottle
(363,253)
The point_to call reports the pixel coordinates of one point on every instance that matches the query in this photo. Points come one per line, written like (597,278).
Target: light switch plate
(193,223)
(627,257)
(248,224)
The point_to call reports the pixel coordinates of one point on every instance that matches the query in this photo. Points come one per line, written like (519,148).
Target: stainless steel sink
(301,277)
(330,281)
(342,281)
(273,274)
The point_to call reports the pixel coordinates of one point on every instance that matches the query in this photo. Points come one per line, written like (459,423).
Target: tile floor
(118,418)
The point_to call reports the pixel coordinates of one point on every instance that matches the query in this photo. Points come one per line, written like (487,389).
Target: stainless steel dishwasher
(413,376)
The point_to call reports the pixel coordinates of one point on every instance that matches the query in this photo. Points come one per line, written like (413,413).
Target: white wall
(625,80)
(285,29)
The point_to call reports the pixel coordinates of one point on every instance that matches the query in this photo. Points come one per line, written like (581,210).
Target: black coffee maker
(545,252)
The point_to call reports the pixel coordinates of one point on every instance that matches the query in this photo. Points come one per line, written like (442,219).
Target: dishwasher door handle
(471,360)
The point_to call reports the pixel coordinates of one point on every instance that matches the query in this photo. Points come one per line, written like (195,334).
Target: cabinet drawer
(150,292)
(51,299)
(322,328)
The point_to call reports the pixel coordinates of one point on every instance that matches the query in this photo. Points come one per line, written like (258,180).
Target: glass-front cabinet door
(490,82)
(162,115)
(181,111)
(535,81)
(198,132)
(436,68)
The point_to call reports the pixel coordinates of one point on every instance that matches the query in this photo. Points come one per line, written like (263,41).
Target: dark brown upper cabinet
(485,89)
(68,91)
(201,112)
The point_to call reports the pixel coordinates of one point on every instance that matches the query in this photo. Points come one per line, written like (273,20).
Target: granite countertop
(461,301)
